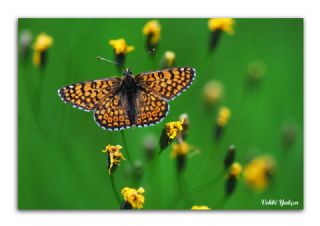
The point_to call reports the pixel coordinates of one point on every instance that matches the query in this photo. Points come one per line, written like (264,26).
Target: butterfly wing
(87,95)
(167,83)
(110,106)
(110,114)
(151,109)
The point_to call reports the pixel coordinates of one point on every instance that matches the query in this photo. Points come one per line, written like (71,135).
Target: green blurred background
(60,163)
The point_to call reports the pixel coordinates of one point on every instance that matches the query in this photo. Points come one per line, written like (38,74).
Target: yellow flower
(235,169)
(152,30)
(120,46)
(115,156)
(224,24)
(180,149)
(169,59)
(174,128)
(213,92)
(200,208)
(43,42)
(40,46)
(258,171)
(134,197)
(223,116)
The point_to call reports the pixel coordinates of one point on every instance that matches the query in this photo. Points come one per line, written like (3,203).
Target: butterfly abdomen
(129,90)
(131,108)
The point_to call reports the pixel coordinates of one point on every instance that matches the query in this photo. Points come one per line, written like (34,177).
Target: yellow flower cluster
(174,128)
(120,46)
(235,169)
(42,43)
(115,156)
(223,116)
(180,149)
(224,24)
(257,173)
(152,29)
(200,208)
(134,197)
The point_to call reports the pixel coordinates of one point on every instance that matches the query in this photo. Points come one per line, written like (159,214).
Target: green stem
(114,189)
(126,147)
(152,161)
(183,192)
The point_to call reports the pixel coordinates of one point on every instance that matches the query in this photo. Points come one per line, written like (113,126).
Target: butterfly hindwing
(167,83)
(87,95)
(111,115)
(151,109)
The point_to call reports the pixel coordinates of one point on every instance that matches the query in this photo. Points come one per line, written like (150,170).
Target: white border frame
(11,10)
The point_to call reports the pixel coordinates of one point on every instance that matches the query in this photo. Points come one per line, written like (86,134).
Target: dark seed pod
(214,39)
(218,132)
(231,183)
(125,206)
(164,139)
(120,59)
(43,59)
(229,159)
(181,162)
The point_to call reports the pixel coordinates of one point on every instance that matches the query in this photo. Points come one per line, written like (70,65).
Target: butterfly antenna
(110,61)
(104,59)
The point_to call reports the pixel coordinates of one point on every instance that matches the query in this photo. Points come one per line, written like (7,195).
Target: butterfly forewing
(167,83)
(87,95)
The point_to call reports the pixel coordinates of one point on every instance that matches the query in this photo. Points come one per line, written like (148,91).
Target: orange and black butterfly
(120,103)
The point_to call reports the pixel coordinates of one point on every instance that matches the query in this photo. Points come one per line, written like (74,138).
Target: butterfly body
(129,90)
(120,103)
(128,83)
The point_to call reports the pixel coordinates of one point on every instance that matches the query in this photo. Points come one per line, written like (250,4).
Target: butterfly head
(127,72)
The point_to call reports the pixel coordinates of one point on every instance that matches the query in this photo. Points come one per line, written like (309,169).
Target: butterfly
(122,102)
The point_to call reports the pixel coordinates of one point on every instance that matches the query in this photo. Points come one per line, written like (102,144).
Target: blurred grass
(60,164)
